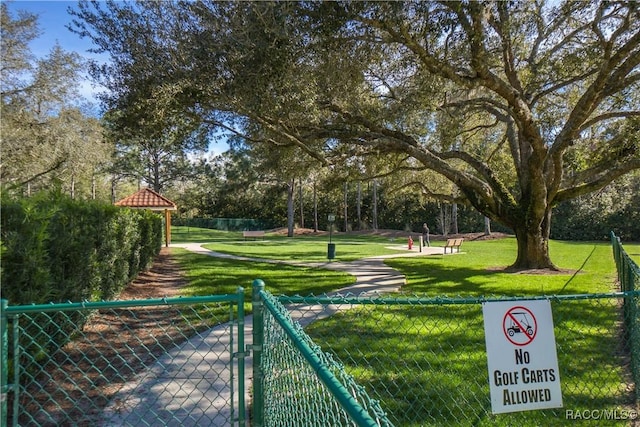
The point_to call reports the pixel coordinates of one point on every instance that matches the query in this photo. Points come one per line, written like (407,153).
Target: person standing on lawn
(425,235)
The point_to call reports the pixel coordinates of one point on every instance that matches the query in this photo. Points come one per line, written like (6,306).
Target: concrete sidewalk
(372,275)
(177,390)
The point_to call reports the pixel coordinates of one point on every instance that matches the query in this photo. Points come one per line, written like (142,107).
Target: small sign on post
(521,356)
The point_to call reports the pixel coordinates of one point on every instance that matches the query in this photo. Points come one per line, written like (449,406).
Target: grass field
(426,362)
(210,275)
(476,272)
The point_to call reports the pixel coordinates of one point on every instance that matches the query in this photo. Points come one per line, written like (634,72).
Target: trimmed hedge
(55,249)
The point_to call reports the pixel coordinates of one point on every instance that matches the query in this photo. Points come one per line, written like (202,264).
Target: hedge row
(55,249)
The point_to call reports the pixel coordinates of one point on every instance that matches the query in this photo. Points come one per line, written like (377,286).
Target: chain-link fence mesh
(160,362)
(388,360)
(425,359)
(629,279)
(301,385)
(628,270)
(226,224)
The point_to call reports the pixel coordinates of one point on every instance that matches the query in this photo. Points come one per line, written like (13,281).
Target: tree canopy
(520,105)
(45,135)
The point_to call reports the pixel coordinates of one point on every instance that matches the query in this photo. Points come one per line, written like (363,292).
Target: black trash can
(331,251)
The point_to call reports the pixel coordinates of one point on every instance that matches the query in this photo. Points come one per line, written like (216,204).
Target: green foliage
(46,138)
(521,106)
(25,260)
(55,249)
(594,216)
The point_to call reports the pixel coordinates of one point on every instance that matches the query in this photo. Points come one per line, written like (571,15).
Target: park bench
(453,243)
(252,234)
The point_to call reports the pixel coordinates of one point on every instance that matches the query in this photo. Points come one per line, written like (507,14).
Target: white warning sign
(521,356)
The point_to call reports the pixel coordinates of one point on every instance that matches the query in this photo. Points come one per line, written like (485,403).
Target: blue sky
(52,21)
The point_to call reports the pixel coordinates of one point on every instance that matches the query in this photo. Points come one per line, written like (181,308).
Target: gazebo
(149,199)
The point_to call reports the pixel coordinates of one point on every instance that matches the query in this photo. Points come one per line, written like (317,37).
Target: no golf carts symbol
(521,356)
(520,325)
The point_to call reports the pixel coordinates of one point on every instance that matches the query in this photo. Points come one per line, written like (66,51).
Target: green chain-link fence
(226,224)
(629,279)
(425,359)
(147,362)
(389,360)
(628,271)
(296,383)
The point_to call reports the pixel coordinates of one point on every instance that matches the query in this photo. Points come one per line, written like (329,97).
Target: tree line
(512,110)
(228,188)
(519,106)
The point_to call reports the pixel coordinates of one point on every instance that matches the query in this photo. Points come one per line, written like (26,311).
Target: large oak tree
(521,105)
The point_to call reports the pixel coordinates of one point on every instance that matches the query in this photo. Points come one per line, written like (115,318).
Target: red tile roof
(148,199)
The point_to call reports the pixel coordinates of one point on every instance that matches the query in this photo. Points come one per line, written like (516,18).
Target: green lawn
(183,234)
(302,249)
(426,362)
(299,248)
(209,275)
(477,272)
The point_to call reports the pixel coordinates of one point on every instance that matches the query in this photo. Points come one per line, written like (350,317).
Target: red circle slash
(519,325)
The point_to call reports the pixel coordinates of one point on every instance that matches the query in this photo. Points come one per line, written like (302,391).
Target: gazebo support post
(167,227)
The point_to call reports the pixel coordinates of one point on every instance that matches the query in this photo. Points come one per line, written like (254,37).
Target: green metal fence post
(4,360)
(258,340)
(241,357)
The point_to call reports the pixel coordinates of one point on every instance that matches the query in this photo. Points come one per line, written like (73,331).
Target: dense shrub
(55,249)
(25,272)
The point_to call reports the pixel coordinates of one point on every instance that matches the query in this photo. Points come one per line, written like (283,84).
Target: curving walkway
(175,391)
(372,275)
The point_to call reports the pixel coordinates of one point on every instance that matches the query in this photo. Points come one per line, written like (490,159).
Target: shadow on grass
(209,275)
(427,363)
(437,277)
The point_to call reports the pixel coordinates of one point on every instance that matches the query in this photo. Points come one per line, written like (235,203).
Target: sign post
(521,356)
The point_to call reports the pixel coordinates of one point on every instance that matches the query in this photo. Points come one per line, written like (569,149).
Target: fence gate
(177,361)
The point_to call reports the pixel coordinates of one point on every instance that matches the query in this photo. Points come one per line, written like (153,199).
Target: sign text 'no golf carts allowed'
(521,356)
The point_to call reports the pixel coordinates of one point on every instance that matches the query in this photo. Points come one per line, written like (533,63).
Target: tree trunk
(290,209)
(301,204)
(346,208)
(454,218)
(359,206)
(533,246)
(444,219)
(487,226)
(315,206)
(113,190)
(374,201)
